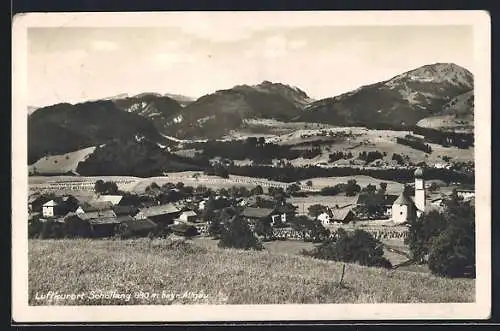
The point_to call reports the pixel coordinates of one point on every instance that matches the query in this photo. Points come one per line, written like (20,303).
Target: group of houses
(108,215)
(399,209)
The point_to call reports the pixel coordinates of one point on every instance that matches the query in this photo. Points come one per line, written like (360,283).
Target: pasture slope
(60,164)
(221,276)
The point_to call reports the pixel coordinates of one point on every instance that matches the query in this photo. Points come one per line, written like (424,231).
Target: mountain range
(438,96)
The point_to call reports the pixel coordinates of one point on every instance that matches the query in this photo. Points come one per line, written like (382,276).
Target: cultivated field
(214,276)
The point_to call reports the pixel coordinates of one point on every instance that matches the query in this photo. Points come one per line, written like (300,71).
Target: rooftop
(403,200)
(253,212)
(160,210)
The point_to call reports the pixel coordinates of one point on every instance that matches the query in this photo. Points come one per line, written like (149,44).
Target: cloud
(104,45)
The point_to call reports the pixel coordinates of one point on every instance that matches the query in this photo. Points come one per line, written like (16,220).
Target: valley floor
(114,272)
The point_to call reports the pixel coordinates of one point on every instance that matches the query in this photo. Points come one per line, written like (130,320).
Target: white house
(466,194)
(49,208)
(201,204)
(325,218)
(188,216)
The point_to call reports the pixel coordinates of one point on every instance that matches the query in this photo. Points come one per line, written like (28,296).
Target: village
(278,214)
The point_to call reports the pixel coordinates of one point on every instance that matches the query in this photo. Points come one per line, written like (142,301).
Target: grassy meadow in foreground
(127,272)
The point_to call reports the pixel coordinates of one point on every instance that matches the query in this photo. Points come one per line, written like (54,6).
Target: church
(407,208)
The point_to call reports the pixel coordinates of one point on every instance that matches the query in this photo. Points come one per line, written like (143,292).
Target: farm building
(164,214)
(114,199)
(188,216)
(76,226)
(98,213)
(105,226)
(35,203)
(337,215)
(125,210)
(342,215)
(59,206)
(466,194)
(386,201)
(255,214)
(94,206)
(131,227)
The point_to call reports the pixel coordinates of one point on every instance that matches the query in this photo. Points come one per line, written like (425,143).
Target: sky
(74,64)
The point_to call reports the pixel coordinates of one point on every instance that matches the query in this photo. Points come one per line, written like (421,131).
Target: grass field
(59,164)
(136,269)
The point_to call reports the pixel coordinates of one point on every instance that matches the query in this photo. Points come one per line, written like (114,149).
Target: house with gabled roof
(164,214)
(114,199)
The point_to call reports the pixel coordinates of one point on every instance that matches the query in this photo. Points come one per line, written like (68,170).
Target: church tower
(419,190)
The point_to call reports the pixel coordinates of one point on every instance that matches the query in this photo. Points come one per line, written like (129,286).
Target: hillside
(181,99)
(135,156)
(457,115)
(64,127)
(397,103)
(216,114)
(161,110)
(222,276)
(60,164)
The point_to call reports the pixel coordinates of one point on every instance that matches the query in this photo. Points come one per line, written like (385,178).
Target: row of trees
(339,155)
(255,149)
(351,188)
(371,156)
(414,144)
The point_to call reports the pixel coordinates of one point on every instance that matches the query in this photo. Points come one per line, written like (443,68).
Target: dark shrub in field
(356,247)
(238,235)
(34,227)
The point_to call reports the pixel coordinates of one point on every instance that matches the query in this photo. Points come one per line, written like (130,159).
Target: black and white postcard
(251,166)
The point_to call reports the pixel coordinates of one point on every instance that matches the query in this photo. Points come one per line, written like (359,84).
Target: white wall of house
(48,211)
(466,195)
(324,218)
(400,213)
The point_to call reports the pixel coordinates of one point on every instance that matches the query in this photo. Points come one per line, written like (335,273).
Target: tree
(309,183)
(316,210)
(34,227)
(421,232)
(179,185)
(257,190)
(370,189)
(358,246)
(453,252)
(293,189)
(238,235)
(317,231)
(215,228)
(300,224)
(99,186)
(352,188)
(446,240)
(263,228)
(252,141)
